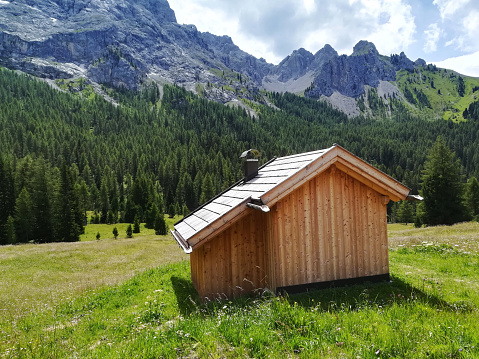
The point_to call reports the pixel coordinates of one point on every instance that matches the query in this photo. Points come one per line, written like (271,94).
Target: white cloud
(432,35)
(467,39)
(448,8)
(273,29)
(466,65)
(309,6)
(398,32)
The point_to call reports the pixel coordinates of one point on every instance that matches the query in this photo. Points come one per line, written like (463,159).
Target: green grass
(106,231)
(448,105)
(428,310)
(36,277)
(463,236)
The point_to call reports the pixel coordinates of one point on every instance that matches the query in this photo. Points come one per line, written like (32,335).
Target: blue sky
(445,32)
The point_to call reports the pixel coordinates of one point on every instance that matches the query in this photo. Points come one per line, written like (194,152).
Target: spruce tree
(161,228)
(136,225)
(207,189)
(151,215)
(105,202)
(442,187)
(472,197)
(7,198)
(129,231)
(115,233)
(185,210)
(171,210)
(405,212)
(24,219)
(42,202)
(69,214)
(11,236)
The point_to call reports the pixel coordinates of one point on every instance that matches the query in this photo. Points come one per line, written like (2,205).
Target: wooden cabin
(297,223)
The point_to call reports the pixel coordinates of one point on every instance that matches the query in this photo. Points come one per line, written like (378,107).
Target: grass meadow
(133,298)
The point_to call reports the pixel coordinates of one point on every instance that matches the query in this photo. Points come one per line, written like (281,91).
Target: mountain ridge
(126,43)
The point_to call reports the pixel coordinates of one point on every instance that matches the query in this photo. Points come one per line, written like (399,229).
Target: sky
(444,32)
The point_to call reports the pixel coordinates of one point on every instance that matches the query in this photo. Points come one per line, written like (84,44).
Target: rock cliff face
(117,42)
(349,74)
(129,42)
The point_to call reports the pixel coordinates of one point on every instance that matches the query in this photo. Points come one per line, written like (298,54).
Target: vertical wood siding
(333,227)
(234,262)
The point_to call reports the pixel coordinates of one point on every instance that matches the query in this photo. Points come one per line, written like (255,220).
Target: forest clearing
(134,298)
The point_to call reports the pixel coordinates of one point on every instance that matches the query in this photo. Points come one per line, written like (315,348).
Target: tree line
(169,151)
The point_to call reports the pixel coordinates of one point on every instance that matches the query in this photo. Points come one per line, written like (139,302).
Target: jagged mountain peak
(326,50)
(364,47)
(126,43)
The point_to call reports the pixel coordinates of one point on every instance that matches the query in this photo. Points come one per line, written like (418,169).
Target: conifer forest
(166,150)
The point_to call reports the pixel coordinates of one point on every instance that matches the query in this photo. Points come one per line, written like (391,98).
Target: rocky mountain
(127,43)
(119,43)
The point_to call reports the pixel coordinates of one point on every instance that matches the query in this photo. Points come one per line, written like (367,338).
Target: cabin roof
(275,180)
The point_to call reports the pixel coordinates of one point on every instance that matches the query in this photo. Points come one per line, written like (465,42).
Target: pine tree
(161,228)
(110,218)
(171,210)
(98,236)
(185,210)
(115,232)
(207,189)
(11,236)
(24,220)
(136,225)
(41,201)
(7,198)
(105,202)
(69,216)
(405,212)
(472,197)
(129,231)
(442,187)
(130,211)
(151,215)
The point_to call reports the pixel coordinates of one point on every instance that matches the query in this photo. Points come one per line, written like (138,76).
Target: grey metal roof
(275,180)
(269,177)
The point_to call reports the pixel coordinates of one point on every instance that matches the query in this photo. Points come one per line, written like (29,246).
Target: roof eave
(181,241)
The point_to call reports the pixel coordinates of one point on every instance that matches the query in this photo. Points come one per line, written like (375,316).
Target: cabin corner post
(270,256)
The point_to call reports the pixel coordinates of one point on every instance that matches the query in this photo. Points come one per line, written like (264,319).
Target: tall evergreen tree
(161,228)
(472,197)
(105,201)
(11,235)
(129,231)
(69,216)
(136,225)
(41,202)
(405,212)
(24,220)
(7,198)
(151,215)
(207,189)
(442,187)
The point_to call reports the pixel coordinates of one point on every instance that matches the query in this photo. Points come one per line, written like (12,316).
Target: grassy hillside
(39,277)
(442,90)
(428,310)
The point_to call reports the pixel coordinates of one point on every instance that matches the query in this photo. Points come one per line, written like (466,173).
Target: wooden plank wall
(333,227)
(234,262)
